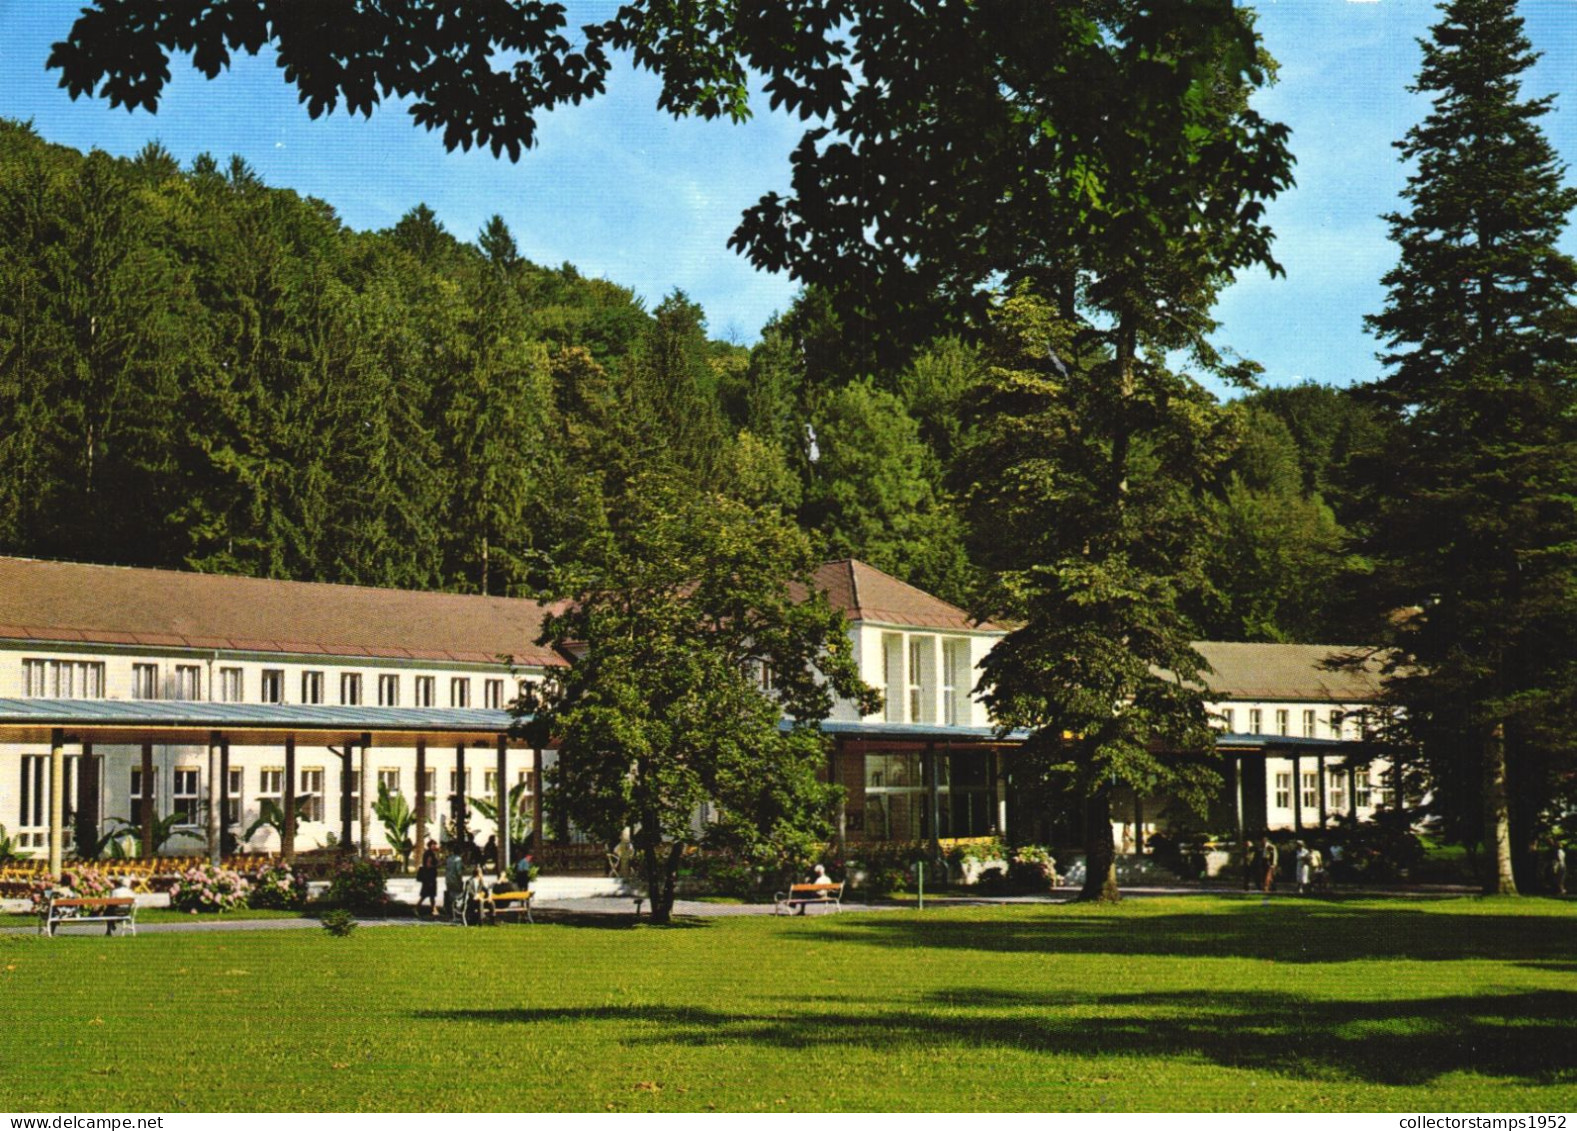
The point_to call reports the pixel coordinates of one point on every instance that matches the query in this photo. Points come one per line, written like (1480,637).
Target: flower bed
(207,888)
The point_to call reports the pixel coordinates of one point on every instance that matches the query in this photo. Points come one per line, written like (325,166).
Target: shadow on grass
(1527,1036)
(614,920)
(1283,931)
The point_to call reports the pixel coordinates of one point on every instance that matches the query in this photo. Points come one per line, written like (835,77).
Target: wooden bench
(808,895)
(516,903)
(116,911)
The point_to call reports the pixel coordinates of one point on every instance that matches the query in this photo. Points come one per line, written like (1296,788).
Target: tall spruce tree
(1476,523)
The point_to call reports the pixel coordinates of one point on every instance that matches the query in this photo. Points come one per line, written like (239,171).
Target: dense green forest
(199,371)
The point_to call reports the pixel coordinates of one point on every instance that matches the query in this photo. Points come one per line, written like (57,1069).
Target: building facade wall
(181,772)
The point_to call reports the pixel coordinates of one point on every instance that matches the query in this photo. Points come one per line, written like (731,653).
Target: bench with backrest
(118,911)
(805,896)
(516,903)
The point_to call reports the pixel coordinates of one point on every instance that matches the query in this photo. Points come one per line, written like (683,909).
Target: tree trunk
(662,875)
(1497,816)
(1100,855)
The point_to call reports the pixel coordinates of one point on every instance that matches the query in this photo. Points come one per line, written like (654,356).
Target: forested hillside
(199,371)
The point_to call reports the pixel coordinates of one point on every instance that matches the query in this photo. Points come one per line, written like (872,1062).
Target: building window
(350,689)
(922,679)
(762,673)
(230,686)
(459,692)
(271,785)
(388,691)
(430,791)
(145,681)
(232,798)
(956,671)
(1311,789)
(33,830)
(1360,788)
(309,798)
(138,795)
(1283,790)
(273,688)
(493,693)
(63,679)
(489,783)
(312,687)
(1337,790)
(892,677)
(389,780)
(457,788)
(424,690)
(186,682)
(1283,722)
(1308,724)
(898,804)
(1337,719)
(1229,722)
(1256,721)
(184,796)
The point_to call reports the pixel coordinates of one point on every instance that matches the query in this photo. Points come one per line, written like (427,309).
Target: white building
(210,695)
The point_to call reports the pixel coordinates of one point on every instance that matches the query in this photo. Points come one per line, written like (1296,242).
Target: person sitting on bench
(818,875)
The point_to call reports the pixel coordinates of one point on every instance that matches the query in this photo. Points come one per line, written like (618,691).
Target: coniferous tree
(1475,524)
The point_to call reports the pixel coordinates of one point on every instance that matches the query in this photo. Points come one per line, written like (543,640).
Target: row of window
(1256,722)
(910,678)
(187,796)
(1336,790)
(84,679)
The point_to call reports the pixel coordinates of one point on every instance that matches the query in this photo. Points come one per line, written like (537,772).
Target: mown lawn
(1191,1003)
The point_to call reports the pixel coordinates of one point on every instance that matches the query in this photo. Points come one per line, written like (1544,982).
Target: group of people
(457,883)
(1262,864)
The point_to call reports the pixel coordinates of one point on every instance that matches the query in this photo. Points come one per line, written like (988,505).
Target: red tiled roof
(865,593)
(67,601)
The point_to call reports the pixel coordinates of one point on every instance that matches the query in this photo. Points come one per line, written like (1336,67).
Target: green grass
(1188,1003)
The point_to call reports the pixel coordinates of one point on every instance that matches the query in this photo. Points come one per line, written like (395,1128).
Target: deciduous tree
(665,706)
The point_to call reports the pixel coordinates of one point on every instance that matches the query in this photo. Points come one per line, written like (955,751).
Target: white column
(57,802)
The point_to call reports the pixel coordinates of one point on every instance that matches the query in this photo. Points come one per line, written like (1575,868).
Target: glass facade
(897,795)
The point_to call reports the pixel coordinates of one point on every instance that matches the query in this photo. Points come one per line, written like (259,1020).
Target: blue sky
(625,192)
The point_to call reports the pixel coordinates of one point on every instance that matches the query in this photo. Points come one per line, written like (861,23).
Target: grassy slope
(1198,1003)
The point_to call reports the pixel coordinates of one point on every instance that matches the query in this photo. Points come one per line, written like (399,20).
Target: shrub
(356,883)
(885,879)
(278,888)
(87,882)
(207,888)
(1032,868)
(732,877)
(339,922)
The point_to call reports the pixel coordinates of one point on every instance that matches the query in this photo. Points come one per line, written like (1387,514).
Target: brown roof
(1290,671)
(864,592)
(96,604)
(65,601)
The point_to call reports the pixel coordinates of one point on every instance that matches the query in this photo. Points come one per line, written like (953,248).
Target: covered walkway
(345,731)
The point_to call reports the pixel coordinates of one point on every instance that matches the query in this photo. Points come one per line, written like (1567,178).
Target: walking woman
(427,874)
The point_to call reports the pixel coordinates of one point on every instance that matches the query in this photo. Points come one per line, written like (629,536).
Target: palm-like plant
(520,816)
(269,816)
(8,852)
(394,813)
